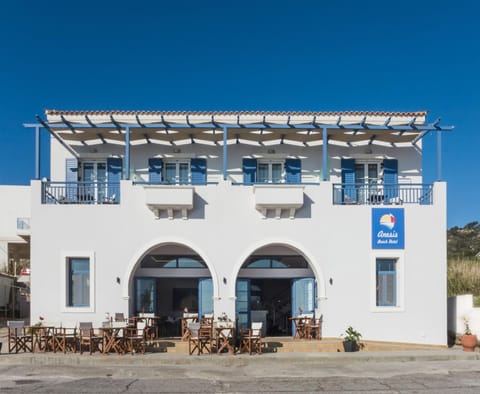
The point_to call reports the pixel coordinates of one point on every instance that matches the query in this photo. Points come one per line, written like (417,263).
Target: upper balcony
(382,194)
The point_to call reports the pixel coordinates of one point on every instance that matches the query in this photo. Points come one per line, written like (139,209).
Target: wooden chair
(205,337)
(193,338)
(89,338)
(251,339)
(315,329)
(135,338)
(18,337)
(119,316)
(186,320)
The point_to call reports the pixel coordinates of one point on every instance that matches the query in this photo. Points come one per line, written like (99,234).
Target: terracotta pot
(469,343)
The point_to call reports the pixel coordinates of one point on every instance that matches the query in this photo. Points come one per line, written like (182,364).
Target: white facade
(226,221)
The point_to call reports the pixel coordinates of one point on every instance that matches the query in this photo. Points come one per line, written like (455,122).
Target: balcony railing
(80,193)
(375,194)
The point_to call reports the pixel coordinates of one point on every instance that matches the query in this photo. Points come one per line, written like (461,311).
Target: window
(367,172)
(386,282)
(159,261)
(276,262)
(177,172)
(270,171)
(78,282)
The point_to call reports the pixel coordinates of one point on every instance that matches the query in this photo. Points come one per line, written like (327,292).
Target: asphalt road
(460,376)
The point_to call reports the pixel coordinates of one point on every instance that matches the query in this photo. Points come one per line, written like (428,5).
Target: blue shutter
(390,179)
(155,167)
(303,297)
(205,296)
(249,171)
(71,177)
(199,171)
(114,169)
(293,169)
(348,180)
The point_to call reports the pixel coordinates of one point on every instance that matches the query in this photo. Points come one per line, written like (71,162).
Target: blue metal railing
(80,193)
(374,194)
(146,183)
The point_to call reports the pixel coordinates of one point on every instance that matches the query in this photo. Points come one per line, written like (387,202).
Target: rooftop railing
(375,194)
(80,193)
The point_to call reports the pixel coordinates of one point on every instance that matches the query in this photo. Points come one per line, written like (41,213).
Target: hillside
(463,243)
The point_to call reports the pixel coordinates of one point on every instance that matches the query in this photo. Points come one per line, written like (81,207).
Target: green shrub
(463,277)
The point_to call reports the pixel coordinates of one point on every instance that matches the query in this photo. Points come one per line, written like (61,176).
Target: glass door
(145,295)
(367,176)
(303,297)
(242,304)
(95,181)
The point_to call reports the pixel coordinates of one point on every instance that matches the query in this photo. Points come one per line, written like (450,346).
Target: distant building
(253,214)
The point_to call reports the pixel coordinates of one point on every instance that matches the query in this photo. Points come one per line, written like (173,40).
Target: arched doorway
(168,281)
(273,284)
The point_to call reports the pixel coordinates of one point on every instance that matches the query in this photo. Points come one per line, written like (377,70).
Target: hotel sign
(388,228)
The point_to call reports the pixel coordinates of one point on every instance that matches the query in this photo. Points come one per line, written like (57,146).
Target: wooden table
(113,339)
(225,337)
(42,338)
(301,327)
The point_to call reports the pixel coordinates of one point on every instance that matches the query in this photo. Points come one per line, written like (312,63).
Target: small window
(270,171)
(386,282)
(78,282)
(177,172)
(161,261)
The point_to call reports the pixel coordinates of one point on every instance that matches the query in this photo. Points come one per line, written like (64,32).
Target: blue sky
(246,55)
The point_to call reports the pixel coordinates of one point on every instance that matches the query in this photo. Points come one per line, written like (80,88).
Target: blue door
(242,304)
(303,297)
(205,296)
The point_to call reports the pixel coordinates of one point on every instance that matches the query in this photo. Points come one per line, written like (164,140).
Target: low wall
(461,308)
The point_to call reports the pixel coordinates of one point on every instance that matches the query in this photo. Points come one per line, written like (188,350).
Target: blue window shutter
(205,296)
(348,180)
(71,175)
(199,171)
(293,169)
(155,166)
(114,169)
(390,178)
(249,171)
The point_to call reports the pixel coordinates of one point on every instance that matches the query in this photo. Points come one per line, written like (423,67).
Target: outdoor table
(225,337)
(42,338)
(113,339)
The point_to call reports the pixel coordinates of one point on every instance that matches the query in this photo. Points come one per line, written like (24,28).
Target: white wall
(224,229)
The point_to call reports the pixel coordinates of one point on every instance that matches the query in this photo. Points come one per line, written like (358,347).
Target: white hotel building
(258,215)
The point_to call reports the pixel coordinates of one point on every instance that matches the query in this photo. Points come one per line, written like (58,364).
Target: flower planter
(350,346)
(469,342)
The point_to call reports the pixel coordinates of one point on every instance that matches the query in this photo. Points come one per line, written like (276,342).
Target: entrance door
(303,297)
(205,296)
(242,304)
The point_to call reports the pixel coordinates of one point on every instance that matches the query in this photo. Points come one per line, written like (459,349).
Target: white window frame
(365,163)
(64,280)
(177,163)
(399,257)
(270,162)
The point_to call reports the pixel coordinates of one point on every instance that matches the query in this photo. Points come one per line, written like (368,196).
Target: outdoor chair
(135,338)
(89,338)
(19,339)
(186,320)
(315,328)
(120,316)
(193,338)
(251,339)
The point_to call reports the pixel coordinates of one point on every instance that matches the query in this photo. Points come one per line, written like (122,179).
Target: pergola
(130,128)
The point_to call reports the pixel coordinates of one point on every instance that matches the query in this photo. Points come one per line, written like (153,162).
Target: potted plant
(469,341)
(350,340)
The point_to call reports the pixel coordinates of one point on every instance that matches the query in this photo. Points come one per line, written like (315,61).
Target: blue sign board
(388,228)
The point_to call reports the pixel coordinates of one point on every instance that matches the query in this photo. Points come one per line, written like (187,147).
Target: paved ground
(243,374)
(426,371)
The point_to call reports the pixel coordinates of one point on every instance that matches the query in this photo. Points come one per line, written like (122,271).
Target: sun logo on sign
(388,220)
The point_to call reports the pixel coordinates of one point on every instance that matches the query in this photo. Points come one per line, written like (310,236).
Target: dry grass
(463,277)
